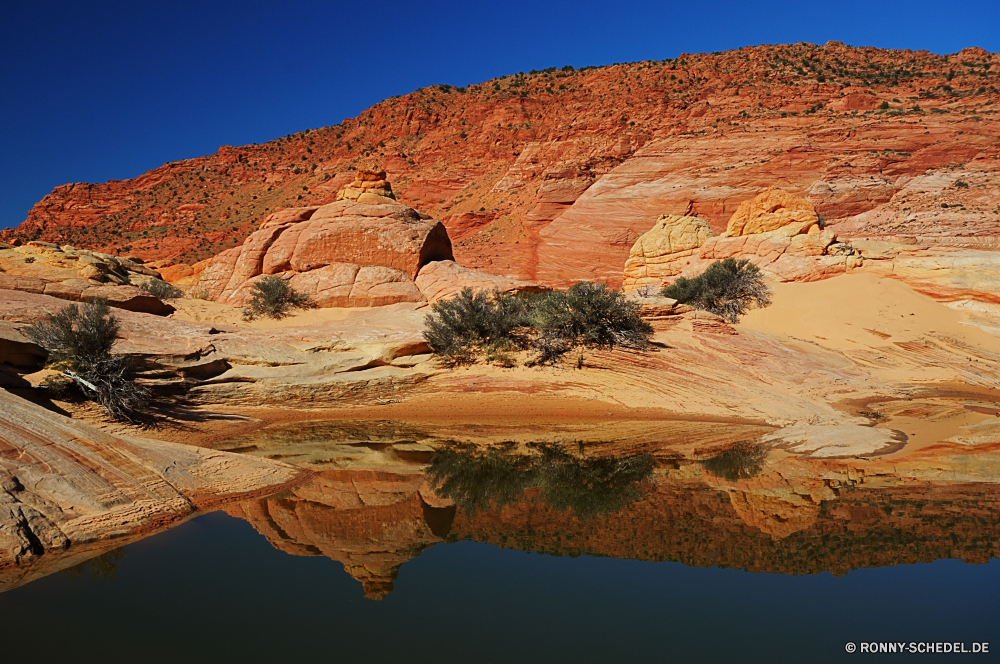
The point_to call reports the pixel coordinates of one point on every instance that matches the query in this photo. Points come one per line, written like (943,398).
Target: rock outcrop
(78,275)
(369,186)
(444,279)
(344,254)
(658,254)
(777,231)
(64,484)
(551,176)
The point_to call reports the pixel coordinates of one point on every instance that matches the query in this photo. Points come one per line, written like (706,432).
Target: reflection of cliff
(371,521)
(794,517)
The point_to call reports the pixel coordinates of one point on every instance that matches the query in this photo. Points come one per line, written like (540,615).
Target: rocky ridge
(551,176)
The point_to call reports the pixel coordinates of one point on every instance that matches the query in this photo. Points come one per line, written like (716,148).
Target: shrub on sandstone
(79,340)
(273,297)
(161,289)
(460,328)
(588,314)
(728,288)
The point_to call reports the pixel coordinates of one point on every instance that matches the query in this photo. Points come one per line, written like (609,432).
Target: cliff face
(551,176)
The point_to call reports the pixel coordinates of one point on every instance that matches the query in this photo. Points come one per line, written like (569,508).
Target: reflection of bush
(103,567)
(479,479)
(740,462)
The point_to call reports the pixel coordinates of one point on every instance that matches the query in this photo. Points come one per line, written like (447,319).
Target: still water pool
(404,549)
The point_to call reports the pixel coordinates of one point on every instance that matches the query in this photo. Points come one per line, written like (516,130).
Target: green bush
(728,288)
(161,289)
(460,328)
(493,325)
(588,314)
(79,340)
(273,297)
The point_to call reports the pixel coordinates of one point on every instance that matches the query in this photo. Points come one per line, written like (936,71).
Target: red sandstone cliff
(551,176)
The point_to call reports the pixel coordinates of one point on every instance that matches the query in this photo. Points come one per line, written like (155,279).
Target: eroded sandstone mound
(79,275)
(659,252)
(364,250)
(777,231)
(343,254)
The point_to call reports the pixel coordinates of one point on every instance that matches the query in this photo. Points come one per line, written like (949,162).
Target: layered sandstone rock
(777,231)
(347,253)
(78,275)
(369,186)
(659,252)
(64,484)
(444,279)
(771,210)
(568,168)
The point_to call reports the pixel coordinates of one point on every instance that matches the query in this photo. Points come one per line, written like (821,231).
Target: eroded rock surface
(346,253)
(64,484)
(78,275)
(777,231)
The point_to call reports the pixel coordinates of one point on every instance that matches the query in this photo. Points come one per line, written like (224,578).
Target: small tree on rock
(79,340)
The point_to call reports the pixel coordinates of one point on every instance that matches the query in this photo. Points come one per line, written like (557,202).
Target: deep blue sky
(103,90)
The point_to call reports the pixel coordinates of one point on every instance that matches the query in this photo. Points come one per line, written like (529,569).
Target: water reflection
(102,567)
(489,479)
(740,462)
(708,496)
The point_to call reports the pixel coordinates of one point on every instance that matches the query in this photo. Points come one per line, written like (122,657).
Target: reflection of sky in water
(214,590)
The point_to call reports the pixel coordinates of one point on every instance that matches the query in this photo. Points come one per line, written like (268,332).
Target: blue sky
(104,90)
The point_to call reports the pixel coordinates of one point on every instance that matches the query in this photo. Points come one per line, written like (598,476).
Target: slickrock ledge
(64,484)
(78,275)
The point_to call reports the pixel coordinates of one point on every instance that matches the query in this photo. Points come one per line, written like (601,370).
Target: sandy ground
(860,317)
(228,316)
(855,310)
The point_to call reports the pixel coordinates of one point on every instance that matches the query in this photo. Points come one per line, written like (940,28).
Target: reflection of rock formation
(371,521)
(795,516)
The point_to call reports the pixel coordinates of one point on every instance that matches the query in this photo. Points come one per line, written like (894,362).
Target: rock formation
(343,254)
(364,250)
(777,231)
(443,279)
(551,176)
(658,254)
(78,275)
(65,485)
(369,186)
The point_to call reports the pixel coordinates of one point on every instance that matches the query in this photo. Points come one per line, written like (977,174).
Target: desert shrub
(728,288)
(79,340)
(273,297)
(588,314)
(460,328)
(493,325)
(740,462)
(161,289)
